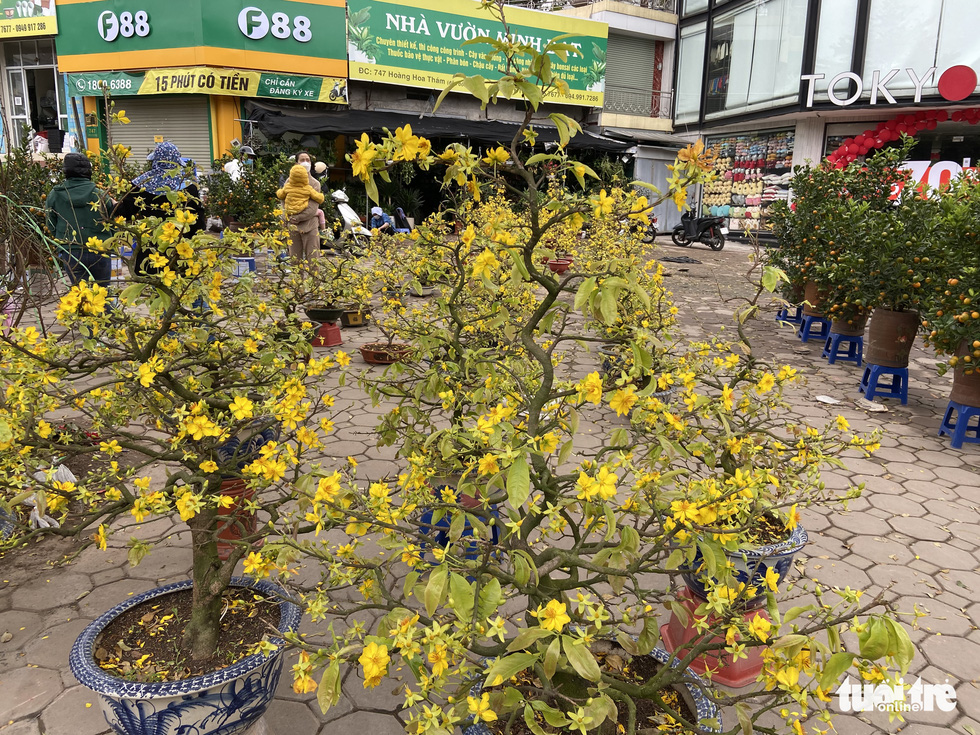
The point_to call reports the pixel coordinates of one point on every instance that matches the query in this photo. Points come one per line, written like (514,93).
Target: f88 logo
(126,25)
(255,24)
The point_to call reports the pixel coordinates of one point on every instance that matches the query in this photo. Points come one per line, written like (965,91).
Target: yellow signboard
(27,18)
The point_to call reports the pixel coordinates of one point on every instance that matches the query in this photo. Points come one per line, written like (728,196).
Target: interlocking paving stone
(51,591)
(76,710)
(27,691)
(13,621)
(51,649)
(290,718)
(360,723)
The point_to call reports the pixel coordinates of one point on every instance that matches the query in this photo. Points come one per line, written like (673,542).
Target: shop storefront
(33,88)
(181,77)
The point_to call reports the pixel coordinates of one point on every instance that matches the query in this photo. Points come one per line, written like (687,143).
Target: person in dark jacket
(76,211)
(149,196)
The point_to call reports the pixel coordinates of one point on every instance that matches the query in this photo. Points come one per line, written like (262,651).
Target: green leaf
(649,636)
(531,723)
(462,595)
(539,157)
(489,598)
(372,189)
(436,588)
(507,666)
(873,641)
(410,581)
(133,292)
(328,693)
(628,644)
(526,638)
(584,293)
(581,659)
(457,527)
(6,435)
(608,308)
(551,656)
(565,452)
(680,612)
(518,483)
(522,571)
(442,95)
(551,715)
(675,559)
(788,641)
(531,92)
(744,714)
(477,86)
(835,666)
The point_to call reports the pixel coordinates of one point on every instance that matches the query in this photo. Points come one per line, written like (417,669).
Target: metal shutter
(629,74)
(181,119)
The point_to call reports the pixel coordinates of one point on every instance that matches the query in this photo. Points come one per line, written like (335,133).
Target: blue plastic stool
(814,327)
(899,387)
(438,532)
(797,318)
(960,430)
(854,345)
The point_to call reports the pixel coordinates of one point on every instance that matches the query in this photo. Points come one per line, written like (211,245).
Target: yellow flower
(488,465)
(343,359)
(497,155)
(374,659)
(480,708)
(792,518)
(789,677)
(439,658)
(250,346)
(587,487)
(842,424)
(485,263)
(623,400)
(468,236)
(760,627)
(590,388)
(188,505)
(100,537)
(43,429)
(408,144)
(553,616)
(362,157)
(766,383)
(603,205)
(241,408)
(209,466)
(727,397)
(772,579)
(606,482)
(256,565)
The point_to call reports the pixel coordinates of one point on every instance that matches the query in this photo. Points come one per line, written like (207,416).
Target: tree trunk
(210,580)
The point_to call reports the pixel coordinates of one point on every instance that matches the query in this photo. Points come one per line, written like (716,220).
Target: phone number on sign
(97,85)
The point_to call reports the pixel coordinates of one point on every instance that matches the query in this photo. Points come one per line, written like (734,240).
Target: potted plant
(951,315)
(248,200)
(187,374)
(566,530)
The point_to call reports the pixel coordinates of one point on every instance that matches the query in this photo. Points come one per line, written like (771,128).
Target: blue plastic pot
(224,702)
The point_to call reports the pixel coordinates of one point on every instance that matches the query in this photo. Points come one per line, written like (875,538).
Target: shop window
(689,69)
(694,6)
(901,34)
(753,171)
(753,53)
(835,39)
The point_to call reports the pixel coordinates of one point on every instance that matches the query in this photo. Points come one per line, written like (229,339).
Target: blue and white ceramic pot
(692,691)
(750,565)
(225,702)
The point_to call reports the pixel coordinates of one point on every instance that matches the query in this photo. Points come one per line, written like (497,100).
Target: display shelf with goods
(753,171)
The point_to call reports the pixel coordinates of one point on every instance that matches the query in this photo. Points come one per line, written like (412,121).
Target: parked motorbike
(350,231)
(707,230)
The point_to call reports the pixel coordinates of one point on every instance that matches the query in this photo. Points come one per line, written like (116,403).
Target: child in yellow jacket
(297,191)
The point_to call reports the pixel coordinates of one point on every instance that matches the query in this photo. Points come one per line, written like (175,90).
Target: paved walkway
(916,531)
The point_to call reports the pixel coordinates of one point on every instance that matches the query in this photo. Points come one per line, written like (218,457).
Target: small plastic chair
(797,318)
(814,327)
(960,430)
(899,387)
(854,352)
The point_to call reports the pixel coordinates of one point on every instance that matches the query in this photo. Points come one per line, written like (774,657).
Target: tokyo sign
(955,84)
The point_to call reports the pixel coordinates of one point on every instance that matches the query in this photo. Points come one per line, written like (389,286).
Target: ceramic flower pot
(749,566)
(559,265)
(850,328)
(966,386)
(692,691)
(812,296)
(225,702)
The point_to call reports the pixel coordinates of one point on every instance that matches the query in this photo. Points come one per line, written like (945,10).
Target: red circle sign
(957,83)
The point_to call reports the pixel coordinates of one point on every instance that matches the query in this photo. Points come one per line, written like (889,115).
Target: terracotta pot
(813,294)
(559,265)
(794,292)
(854,329)
(381,353)
(891,335)
(234,522)
(966,388)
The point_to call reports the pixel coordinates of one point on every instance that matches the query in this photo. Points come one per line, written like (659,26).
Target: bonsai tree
(186,372)
(251,199)
(508,577)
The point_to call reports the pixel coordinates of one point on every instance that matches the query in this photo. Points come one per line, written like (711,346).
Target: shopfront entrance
(35,95)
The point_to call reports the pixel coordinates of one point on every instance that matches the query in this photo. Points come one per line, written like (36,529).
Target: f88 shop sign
(955,84)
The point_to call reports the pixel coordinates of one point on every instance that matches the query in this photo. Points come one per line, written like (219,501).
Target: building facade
(772,84)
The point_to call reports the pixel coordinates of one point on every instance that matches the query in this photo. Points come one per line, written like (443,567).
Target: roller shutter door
(183,120)
(629,74)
